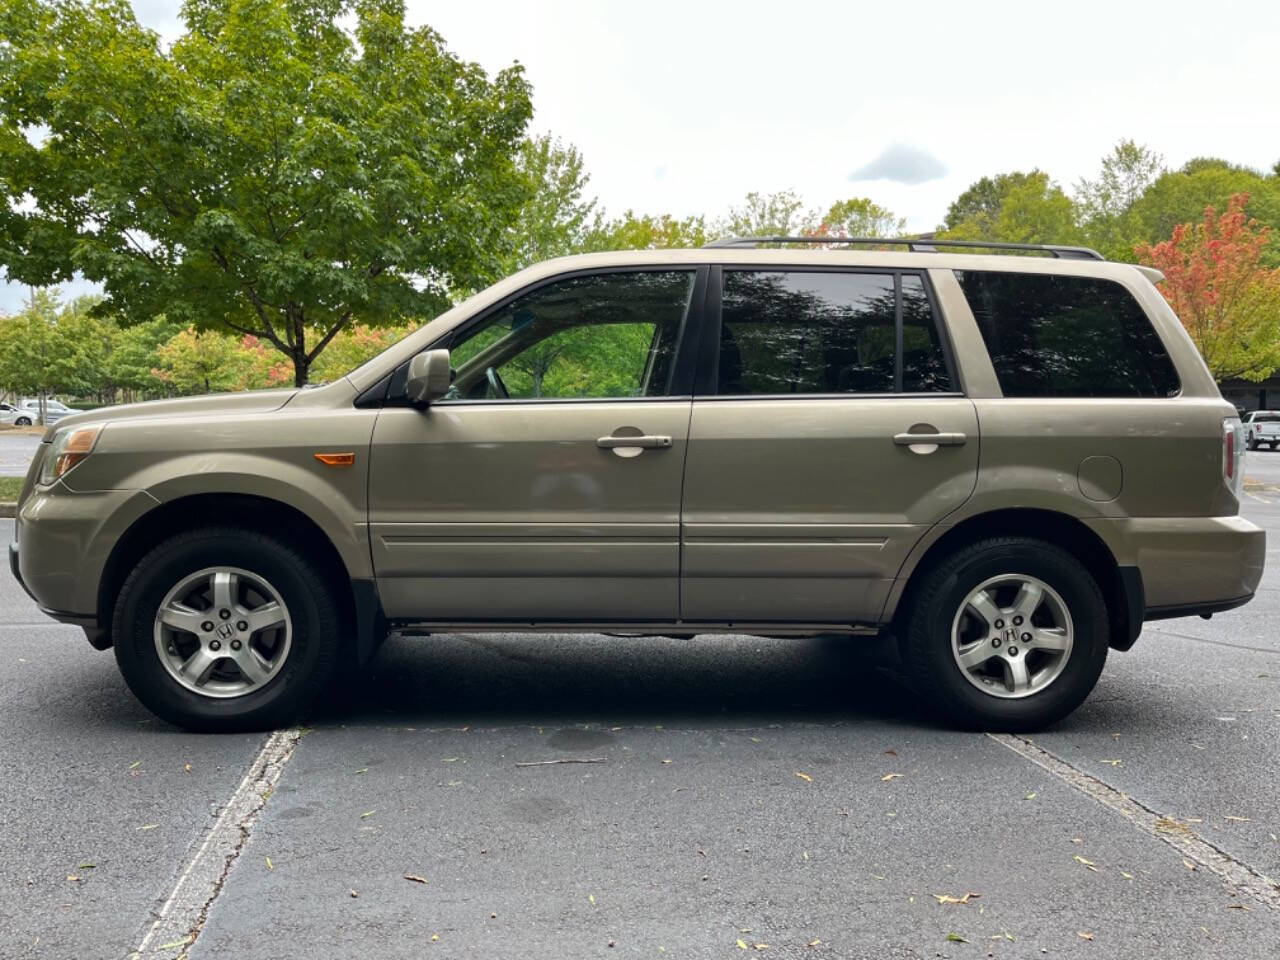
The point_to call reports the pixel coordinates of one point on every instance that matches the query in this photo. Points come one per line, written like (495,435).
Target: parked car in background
(1008,463)
(1262,427)
(8,413)
(28,412)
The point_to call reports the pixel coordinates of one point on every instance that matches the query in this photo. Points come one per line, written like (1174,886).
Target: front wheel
(1009,633)
(22,422)
(226,629)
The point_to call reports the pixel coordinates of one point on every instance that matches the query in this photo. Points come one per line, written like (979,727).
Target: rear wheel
(1009,633)
(226,629)
(22,422)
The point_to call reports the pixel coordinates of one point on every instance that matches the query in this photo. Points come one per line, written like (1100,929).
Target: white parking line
(177,923)
(1239,877)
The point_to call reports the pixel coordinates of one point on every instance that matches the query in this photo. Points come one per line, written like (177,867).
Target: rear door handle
(647,442)
(938,439)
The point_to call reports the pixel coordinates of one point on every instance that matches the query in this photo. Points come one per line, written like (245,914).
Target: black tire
(308,597)
(22,422)
(944,587)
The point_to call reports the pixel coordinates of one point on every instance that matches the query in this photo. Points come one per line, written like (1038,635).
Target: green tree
(632,231)
(860,217)
(272,172)
(28,346)
(202,361)
(1106,202)
(767,214)
(131,363)
(1014,208)
(555,219)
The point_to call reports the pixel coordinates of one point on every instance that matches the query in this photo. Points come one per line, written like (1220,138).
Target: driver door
(546,487)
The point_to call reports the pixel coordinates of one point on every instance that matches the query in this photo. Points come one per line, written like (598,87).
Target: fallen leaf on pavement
(354,895)
(1030,796)
(415,878)
(1084,934)
(804,776)
(742,944)
(135,765)
(1114,763)
(945,898)
(890,776)
(1236,906)
(270,865)
(1237,819)
(367,814)
(891,753)
(1188,864)
(815,943)
(73,878)
(956,938)
(1087,863)
(149,826)
(435,938)
(87,866)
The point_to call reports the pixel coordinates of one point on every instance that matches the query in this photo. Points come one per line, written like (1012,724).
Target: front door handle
(937,439)
(644,442)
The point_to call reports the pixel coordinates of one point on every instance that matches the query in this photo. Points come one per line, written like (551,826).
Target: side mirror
(430,377)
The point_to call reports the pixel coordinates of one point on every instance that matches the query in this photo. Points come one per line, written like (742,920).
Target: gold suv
(1007,462)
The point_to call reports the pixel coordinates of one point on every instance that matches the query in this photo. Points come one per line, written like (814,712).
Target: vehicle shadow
(581,678)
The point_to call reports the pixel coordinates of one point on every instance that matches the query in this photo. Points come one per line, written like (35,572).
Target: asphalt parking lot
(782,798)
(17,447)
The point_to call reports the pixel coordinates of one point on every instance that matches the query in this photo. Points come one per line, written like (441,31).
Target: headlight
(69,448)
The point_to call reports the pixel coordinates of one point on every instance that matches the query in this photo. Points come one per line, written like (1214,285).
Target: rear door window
(1061,336)
(786,332)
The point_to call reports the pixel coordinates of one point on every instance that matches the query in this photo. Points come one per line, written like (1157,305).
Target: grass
(9,487)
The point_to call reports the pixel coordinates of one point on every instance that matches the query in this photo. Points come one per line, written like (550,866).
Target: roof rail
(918,244)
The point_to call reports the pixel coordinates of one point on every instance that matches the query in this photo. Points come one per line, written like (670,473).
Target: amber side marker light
(336,459)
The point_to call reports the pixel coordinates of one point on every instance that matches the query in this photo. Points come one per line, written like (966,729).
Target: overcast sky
(684,107)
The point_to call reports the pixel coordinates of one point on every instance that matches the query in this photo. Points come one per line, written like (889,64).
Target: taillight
(1232,455)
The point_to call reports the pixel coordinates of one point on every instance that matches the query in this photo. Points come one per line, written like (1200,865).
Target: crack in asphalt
(182,915)
(1238,876)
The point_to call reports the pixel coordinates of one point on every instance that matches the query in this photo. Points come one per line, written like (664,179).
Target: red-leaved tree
(1216,283)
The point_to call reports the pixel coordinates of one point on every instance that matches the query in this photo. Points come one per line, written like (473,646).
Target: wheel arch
(356,600)
(1121,585)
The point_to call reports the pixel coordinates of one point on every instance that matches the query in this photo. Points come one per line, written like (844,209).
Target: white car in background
(8,413)
(28,412)
(1262,426)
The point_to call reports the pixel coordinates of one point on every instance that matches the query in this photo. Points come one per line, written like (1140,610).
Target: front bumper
(64,540)
(17,571)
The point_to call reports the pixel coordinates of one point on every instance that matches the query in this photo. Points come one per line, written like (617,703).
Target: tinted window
(787,332)
(1058,336)
(597,336)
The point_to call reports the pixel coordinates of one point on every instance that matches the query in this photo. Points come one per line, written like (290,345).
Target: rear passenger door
(805,488)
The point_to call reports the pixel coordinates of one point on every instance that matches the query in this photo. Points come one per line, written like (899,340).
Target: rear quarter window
(1061,336)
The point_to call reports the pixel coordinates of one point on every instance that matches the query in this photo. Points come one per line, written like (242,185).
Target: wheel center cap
(225,631)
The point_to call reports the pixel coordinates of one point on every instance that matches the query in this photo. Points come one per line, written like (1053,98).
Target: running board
(640,629)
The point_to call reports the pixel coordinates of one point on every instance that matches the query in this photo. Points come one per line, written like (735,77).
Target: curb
(8,510)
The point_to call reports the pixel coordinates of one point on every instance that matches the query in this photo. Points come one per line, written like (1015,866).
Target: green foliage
(1014,208)
(272,173)
(1106,202)
(195,361)
(860,217)
(557,215)
(762,214)
(635,232)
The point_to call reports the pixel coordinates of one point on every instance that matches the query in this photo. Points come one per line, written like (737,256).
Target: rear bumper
(1189,565)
